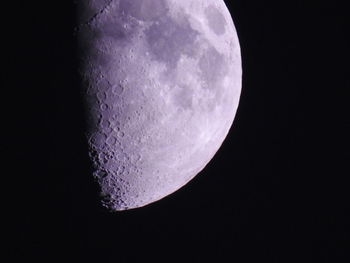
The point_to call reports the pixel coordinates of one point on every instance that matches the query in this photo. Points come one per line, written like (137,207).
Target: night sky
(276,191)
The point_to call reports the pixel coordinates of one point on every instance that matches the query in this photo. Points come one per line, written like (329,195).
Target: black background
(275,192)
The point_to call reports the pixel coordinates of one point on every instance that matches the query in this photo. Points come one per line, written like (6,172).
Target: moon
(161,82)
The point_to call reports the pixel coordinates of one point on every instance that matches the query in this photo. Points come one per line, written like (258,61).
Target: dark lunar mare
(168,40)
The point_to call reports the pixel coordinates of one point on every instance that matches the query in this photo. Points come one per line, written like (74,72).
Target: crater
(216,20)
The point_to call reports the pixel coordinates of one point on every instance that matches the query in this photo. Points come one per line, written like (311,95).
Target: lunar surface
(162,81)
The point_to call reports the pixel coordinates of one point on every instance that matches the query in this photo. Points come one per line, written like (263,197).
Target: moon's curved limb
(163,80)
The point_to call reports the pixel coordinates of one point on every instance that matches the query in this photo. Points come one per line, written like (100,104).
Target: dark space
(276,191)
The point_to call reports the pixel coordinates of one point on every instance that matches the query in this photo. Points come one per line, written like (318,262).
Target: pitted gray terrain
(163,80)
